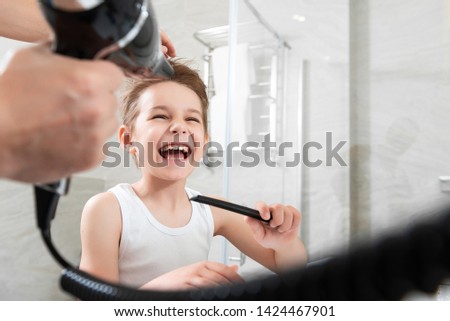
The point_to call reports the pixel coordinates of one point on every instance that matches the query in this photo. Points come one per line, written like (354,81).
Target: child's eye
(159,116)
(193,119)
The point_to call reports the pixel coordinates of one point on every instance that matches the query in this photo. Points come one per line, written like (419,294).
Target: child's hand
(194,276)
(281,230)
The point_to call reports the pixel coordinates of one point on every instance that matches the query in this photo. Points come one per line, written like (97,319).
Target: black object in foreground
(414,259)
(247,211)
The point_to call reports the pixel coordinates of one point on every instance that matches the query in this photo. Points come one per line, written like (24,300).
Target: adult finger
(166,42)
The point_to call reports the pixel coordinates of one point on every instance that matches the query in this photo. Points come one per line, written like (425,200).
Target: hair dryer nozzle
(165,69)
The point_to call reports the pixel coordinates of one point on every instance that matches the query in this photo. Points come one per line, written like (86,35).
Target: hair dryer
(122,31)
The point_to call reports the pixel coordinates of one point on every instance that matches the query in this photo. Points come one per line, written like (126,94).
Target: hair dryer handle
(46,198)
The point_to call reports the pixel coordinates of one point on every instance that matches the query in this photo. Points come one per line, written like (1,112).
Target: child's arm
(195,276)
(275,245)
(101,226)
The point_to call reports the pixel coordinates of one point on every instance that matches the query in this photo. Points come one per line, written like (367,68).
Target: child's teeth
(181,148)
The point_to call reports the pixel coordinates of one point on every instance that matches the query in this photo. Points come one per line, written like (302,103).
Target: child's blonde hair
(183,75)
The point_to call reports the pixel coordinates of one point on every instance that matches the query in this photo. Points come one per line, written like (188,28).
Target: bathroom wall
(376,75)
(409,95)
(399,107)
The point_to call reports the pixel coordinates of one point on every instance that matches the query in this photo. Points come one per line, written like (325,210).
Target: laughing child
(148,234)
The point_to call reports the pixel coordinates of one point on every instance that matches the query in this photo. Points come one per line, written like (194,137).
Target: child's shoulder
(102,202)
(102,216)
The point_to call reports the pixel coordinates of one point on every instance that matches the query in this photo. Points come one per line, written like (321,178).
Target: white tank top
(149,249)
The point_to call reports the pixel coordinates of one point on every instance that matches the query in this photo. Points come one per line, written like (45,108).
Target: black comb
(247,211)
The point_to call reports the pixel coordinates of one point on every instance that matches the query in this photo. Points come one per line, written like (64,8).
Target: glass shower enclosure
(246,71)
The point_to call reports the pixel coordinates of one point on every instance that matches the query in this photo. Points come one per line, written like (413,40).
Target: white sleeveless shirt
(148,248)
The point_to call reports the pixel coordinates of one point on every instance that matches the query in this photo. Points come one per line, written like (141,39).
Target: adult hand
(167,46)
(195,276)
(55,114)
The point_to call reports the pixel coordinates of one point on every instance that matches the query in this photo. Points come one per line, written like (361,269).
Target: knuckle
(91,115)
(277,207)
(83,82)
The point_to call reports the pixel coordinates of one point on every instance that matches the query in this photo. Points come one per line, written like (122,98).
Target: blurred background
(370,78)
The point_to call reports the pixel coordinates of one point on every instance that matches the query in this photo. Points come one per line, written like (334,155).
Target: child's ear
(125,139)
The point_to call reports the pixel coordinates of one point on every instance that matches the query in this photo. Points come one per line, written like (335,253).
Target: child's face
(169,130)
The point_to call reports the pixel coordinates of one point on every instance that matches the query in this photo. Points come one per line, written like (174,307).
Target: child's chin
(175,170)
(174,176)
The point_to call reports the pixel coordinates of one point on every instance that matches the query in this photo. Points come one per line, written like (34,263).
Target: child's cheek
(199,146)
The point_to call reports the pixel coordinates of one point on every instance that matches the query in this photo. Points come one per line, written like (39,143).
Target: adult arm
(22,20)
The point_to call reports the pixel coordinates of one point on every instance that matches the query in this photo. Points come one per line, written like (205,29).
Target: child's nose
(178,128)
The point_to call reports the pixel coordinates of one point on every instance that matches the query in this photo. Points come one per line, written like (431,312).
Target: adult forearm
(22,20)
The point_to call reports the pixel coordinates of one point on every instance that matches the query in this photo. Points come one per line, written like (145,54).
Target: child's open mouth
(175,151)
